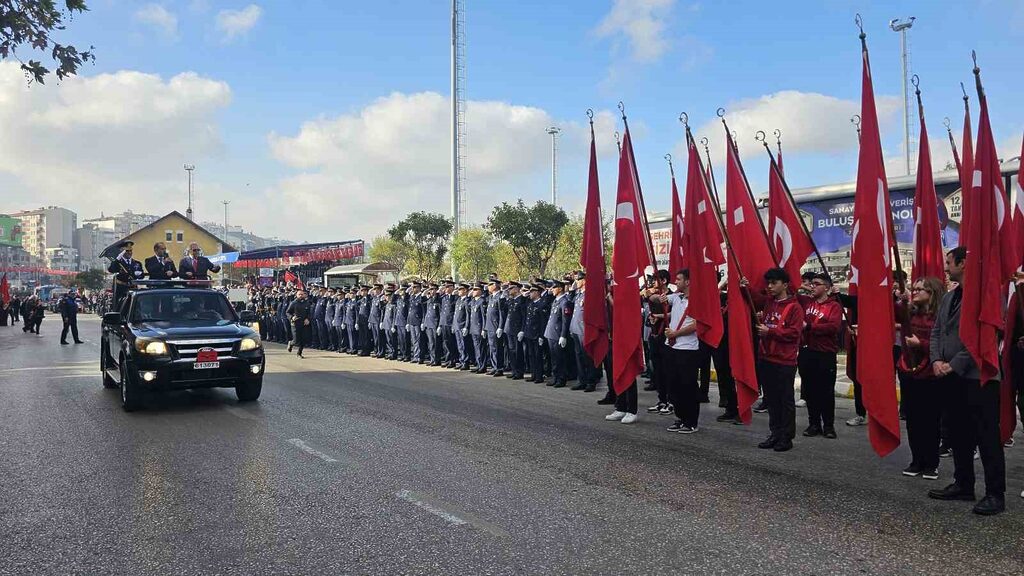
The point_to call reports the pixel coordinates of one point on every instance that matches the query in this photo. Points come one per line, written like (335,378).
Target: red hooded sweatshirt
(822,322)
(785,322)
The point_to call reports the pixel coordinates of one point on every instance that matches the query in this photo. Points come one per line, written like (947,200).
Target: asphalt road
(360,466)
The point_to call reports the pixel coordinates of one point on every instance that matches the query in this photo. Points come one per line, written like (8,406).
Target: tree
(533,232)
(427,234)
(505,263)
(92,279)
(473,253)
(570,245)
(30,24)
(390,251)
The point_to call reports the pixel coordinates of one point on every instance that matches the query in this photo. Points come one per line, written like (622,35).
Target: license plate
(205,365)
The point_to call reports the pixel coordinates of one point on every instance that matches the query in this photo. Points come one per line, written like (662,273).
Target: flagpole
(600,215)
(717,209)
(640,197)
(761,137)
(952,144)
(750,193)
(855,120)
(711,170)
(778,142)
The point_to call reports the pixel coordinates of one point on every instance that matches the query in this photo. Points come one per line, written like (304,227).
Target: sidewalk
(844,386)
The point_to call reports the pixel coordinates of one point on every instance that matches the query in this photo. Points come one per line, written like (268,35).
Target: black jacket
(201,270)
(298,310)
(157,271)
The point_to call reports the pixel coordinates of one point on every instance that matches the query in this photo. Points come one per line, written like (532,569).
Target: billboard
(10,231)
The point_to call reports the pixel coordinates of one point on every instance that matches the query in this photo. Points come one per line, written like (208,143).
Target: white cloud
(233,24)
(809,122)
(106,142)
(362,172)
(160,18)
(641,23)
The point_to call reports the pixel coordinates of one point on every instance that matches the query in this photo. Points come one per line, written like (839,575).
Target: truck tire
(249,391)
(131,394)
(108,382)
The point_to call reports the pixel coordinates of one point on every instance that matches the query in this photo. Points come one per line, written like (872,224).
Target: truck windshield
(197,308)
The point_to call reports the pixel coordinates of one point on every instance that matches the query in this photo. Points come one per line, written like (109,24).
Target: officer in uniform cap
(476,327)
(387,322)
(431,324)
(445,345)
(513,324)
(533,332)
(401,322)
(460,326)
(126,271)
(337,320)
(493,327)
(557,332)
(377,350)
(414,319)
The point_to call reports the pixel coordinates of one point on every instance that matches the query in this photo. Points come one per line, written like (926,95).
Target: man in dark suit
(68,308)
(159,266)
(195,266)
(972,406)
(126,271)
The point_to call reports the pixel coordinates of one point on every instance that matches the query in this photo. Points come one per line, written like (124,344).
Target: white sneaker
(615,416)
(856,421)
(801,403)
(629,418)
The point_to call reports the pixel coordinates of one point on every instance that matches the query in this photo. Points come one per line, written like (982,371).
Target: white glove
(499,332)
(357,326)
(121,255)
(393,329)
(438,331)
(408,326)
(465,332)
(540,341)
(519,337)
(423,326)
(561,342)
(138,273)
(483,333)
(381,326)
(344,326)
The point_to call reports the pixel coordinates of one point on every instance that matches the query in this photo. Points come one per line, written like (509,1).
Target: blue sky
(277,115)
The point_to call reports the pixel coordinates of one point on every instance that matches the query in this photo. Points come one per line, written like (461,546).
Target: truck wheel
(131,395)
(108,382)
(249,391)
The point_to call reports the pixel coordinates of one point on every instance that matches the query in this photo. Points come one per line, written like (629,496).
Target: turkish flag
(595,317)
(677,252)
(991,253)
(966,168)
(928,256)
(5,291)
(630,257)
(790,241)
(702,240)
(870,261)
(1007,406)
(753,255)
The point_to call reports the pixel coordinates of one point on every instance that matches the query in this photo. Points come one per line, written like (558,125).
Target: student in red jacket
(779,330)
(817,360)
(921,397)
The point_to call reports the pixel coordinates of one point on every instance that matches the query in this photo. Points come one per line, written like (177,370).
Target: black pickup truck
(175,336)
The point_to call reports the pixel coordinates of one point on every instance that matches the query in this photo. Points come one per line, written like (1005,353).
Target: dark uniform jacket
(536,318)
(514,321)
(157,270)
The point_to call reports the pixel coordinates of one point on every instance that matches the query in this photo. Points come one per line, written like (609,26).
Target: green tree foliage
(473,253)
(93,279)
(570,246)
(30,24)
(505,263)
(532,232)
(427,234)
(390,251)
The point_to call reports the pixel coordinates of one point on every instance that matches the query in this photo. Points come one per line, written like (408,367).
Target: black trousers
(533,349)
(683,387)
(588,373)
(777,383)
(365,342)
(558,369)
(626,402)
(973,412)
(922,406)
(704,374)
(858,401)
(299,335)
(69,323)
(818,386)
(726,383)
(514,353)
(315,341)
(659,366)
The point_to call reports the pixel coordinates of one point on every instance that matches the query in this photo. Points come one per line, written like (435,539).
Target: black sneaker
(945,451)
(656,408)
(759,407)
(932,474)
(676,426)
(767,444)
(830,433)
(687,429)
(783,446)
(727,417)
(812,431)
(913,470)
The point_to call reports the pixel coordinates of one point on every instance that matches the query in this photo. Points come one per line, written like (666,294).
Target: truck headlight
(151,347)
(249,344)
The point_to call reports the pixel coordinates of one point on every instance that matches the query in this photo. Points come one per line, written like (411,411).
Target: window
(181,236)
(168,235)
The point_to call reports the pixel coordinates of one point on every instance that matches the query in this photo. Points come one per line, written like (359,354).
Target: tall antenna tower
(189,168)
(902,26)
(458,174)
(553,131)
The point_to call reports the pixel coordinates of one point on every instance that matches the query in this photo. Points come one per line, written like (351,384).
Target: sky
(329,120)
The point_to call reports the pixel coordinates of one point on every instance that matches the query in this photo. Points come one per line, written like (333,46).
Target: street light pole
(189,168)
(897,26)
(225,203)
(553,131)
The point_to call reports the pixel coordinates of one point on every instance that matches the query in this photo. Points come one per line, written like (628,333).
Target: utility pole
(553,131)
(225,203)
(458,151)
(902,26)
(189,168)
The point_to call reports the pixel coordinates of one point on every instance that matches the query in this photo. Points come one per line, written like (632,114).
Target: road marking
(449,513)
(58,367)
(298,443)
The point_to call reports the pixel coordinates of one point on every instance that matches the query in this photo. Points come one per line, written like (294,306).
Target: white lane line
(420,502)
(59,367)
(62,376)
(298,443)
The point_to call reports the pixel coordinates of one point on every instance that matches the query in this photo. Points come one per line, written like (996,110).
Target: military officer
(534,333)
(376,316)
(387,322)
(339,318)
(476,327)
(557,331)
(588,374)
(414,320)
(514,325)
(431,324)
(327,335)
(351,308)
(401,322)
(446,345)
(126,271)
(460,325)
(493,327)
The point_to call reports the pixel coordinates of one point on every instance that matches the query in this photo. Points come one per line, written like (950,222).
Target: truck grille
(189,349)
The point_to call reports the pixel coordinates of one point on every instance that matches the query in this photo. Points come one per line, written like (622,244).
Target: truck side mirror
(247,316)
(112,318)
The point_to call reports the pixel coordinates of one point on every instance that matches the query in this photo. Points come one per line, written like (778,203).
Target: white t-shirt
(680,305)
